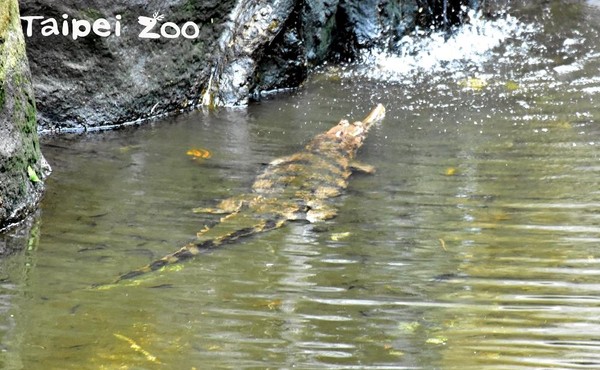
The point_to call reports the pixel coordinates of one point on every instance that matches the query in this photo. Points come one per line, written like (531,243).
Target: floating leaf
(511,85)
(409,327)
(199,153)
(437,340)
(473,83)
(32,175)
(127,148)
(270,304)
(274,304)
(340,236)
(562,124)
(392,351)
(450,171)
(500,216)
(136,347)
(492,355)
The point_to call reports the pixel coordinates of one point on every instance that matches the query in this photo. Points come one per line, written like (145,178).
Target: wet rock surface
(243,48)
(21,164)
(251,26)
(95,81)
(20,236)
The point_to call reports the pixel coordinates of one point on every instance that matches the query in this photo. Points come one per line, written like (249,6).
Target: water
(473,246)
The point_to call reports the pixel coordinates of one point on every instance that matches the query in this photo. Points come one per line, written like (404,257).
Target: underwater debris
(137,348)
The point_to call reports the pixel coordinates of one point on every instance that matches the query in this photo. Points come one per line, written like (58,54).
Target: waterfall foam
(466,49)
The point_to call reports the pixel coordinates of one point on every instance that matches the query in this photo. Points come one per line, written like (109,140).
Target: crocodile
(294,187)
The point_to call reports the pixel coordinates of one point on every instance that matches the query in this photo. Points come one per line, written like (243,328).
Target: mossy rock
(20,148)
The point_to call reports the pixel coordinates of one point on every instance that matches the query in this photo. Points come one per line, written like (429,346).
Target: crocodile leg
(227,205)
(357,166)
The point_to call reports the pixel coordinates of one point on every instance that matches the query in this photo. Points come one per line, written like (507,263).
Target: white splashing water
(470,46)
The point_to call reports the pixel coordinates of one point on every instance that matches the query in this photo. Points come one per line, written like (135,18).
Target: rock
(305,41)
(23,236)
(440,13)
(251,26)
(335,30)
(95,81)
(21,163)
(318,25)
(243,47)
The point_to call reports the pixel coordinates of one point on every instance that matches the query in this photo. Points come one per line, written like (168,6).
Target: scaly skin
(296,187)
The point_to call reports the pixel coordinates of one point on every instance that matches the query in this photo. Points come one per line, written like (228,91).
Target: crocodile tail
(186,252)
(192,249)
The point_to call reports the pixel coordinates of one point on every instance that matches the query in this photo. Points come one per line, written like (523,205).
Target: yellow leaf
(443,243)
(199,153)
(473,83)
(271,305)
(511,85)
(340,236)
(437,340)
(137,348)
(274,304)
(409,327)
(450,171)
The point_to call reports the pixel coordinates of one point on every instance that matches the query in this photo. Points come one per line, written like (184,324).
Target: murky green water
(475,245)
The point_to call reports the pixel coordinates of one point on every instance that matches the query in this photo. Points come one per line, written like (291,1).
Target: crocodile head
(349,136)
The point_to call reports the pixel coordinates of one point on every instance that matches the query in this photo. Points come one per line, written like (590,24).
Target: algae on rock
(20,154)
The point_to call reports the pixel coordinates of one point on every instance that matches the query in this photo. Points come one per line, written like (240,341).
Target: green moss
(13,164)
(16,95)
(12,51)
(189,8)
(5,14)
(31,117)
(326,37)
(92,14)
